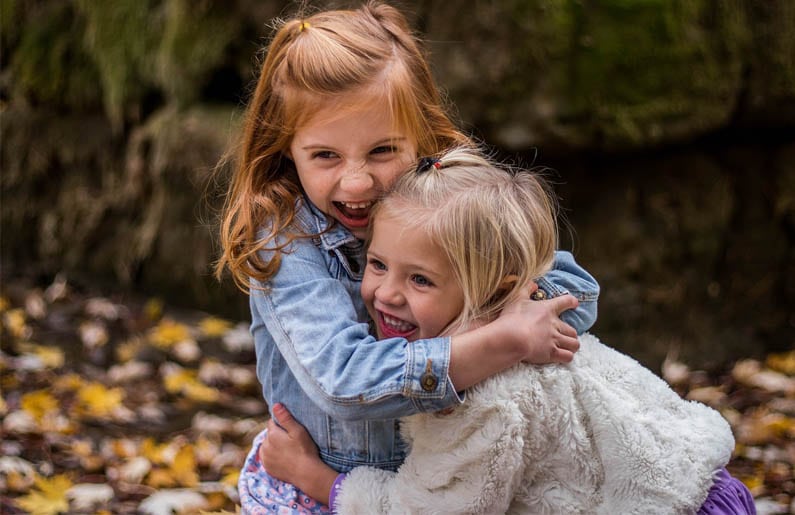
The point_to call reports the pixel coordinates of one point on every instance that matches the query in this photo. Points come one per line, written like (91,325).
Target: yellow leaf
(128,350)
(160,478)
(14,320)
(152,451)
(4,304)
(186,382)
(167,333)
(174,380)
(39,404)
(231,478)
(783,362)
(214,327)
(98,401)
(183,469)
(199,392)
(153,309)
(68,383)
(51,357)
(50,499)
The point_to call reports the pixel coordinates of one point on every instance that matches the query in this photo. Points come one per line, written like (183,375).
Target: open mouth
(391,327)
(354,214)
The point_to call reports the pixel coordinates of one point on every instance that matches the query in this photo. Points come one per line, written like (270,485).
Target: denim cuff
(427,382)
(551,289)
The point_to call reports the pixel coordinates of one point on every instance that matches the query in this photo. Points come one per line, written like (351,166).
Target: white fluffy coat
(600,435)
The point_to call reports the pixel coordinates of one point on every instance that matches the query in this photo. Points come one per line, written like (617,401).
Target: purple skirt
(728,496)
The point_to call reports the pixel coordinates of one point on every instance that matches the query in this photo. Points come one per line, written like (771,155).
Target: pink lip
(387,331)
(360,222)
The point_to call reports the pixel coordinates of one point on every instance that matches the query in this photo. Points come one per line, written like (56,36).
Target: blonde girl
(450,247)
(344,102)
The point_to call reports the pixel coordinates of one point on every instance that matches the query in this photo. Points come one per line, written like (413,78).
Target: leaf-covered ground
(111,405)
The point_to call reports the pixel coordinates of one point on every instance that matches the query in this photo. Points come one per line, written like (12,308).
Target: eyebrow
(378,143)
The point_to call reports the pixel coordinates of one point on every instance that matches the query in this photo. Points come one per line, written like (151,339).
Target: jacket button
(428,381)
(538,295)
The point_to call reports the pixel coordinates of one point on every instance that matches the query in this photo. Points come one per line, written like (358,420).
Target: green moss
(121,37)
(644,62)
(49,64)
(195,38)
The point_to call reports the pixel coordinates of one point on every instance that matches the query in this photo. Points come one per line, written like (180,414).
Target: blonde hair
(310,62)
(496,225)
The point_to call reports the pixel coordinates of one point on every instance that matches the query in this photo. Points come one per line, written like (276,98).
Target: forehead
(398,238)
(324,109)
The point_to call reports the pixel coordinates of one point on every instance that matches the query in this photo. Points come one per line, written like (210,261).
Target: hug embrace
(420,341)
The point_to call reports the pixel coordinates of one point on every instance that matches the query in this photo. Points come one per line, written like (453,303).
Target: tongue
(354,213)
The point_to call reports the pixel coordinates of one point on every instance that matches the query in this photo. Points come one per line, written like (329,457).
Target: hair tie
(426,163)
(304,25)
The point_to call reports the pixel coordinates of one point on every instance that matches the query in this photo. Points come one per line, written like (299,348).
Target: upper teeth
(400,325)
(357,205)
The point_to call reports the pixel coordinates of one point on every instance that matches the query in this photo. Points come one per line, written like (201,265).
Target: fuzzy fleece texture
(600,435)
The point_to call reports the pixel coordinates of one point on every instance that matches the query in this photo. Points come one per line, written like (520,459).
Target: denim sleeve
(567,276)
(311,318)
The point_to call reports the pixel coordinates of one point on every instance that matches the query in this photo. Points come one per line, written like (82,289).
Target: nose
(357,180)
(388,292)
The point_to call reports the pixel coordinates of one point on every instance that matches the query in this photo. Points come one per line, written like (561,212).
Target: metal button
(538,295)
(428,380)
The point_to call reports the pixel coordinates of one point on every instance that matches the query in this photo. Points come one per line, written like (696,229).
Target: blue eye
(421,280)
(376,264)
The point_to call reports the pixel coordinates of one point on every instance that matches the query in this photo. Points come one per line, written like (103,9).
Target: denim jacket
(315,353)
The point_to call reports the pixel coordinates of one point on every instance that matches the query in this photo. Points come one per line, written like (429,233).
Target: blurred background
(668,128)
(126,369)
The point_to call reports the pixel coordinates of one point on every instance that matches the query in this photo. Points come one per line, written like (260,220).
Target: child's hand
(536,324)
(289,453)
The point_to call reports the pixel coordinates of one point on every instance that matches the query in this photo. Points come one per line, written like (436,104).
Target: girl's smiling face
(408,285)
(347,157)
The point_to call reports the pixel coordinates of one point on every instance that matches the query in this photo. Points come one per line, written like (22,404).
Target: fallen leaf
(35,306)
(711,395)
(98,401)
(184,381)
(183,468)
(153,309)
(238,339)
(134,470)
(213,327)
(168,502)
(49,499)
(50,357)
(783,362)
(14,320)
(58,290)
(167,333)
(39,404)
(102,308)
(16,474)
(93,334)
(85,496)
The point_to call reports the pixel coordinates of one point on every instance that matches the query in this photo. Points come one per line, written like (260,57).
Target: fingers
(567,330)
(564,303)
(562,356)
(283,417)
